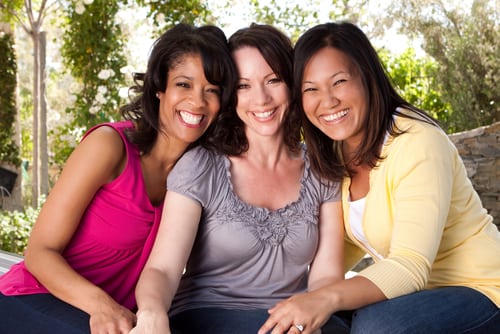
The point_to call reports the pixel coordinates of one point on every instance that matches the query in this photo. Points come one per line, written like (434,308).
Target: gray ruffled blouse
(245,257)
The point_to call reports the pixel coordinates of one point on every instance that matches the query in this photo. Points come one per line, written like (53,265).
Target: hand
(115,320)
(150,322)
(311,310)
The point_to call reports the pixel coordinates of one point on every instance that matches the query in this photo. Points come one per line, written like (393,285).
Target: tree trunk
(35,185)
(44,155)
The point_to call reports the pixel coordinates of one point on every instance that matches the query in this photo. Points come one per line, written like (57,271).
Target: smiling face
(189,103)
(334,97)
(262,96)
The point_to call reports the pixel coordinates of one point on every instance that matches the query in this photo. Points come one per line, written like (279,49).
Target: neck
(267,152)
(164,154)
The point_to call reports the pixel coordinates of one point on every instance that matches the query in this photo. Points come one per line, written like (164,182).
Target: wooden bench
(7,260)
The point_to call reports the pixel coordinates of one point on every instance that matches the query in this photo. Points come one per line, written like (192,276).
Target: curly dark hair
(383,100)
(168,50)
(276,48)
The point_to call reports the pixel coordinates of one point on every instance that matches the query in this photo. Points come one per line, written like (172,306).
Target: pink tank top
(114,238)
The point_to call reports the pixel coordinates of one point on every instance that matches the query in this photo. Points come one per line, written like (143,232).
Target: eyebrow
(182,76)
(330,77)
(270,74)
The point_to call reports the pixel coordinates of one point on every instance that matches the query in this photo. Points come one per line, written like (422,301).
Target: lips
(190,119)
(335,116)
(264,115)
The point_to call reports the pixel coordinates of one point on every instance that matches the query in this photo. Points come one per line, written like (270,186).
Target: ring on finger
(299,327)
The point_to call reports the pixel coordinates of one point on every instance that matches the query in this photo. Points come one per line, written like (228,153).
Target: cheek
(215,106)
(308,104)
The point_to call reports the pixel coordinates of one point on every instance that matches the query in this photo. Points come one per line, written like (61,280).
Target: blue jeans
(40,314)
(224,321)
(437,311)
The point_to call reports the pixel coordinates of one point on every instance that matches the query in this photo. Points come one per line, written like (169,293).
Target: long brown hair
(277,50)
(383,100)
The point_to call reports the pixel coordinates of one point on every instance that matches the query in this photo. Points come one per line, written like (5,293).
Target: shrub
(15,228)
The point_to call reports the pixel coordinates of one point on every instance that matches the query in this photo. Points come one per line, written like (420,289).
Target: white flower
(126,69)
(100,98)
(88,2)
(160,18)
(102,90)
(79,8)
(93,110)
(123,92)
(105,74)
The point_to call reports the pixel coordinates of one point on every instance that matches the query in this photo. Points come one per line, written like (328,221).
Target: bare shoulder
(103,151)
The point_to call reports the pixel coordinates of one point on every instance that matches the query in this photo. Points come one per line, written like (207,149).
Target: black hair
(168,50)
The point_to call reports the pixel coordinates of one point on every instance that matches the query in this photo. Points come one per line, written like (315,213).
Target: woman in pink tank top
(96,229)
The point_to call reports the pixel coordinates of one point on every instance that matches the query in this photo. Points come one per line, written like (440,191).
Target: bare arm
(313,309)
(161,275)
(328,292)
(96,161)
(327,265)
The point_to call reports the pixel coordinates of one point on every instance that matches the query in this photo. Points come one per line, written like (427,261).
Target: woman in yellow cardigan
(406,197)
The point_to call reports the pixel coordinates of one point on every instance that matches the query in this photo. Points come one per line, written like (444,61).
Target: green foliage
(166,13)
(415,80)
(15,228)
(295,17)
(465,42)
(9,152)
(93,52)
(290,18)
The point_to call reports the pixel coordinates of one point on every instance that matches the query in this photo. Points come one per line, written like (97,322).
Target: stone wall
(480,151)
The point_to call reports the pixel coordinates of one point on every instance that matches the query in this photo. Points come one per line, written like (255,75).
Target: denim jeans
(40,314)
(457,310)
(224,321)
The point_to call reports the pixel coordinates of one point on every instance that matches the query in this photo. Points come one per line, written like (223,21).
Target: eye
(338,82)
(182,84)
(242,86)
(308,89)
(275,80)
(214,90)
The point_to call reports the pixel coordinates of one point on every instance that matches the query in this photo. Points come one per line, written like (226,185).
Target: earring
(157,95)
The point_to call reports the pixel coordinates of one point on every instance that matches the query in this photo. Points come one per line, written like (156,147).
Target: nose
(261,95)
(329,99)
(198,97)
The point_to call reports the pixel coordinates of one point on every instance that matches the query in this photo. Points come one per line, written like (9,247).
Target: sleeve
(419,175)
(331,191)
(328,191)
(192,175)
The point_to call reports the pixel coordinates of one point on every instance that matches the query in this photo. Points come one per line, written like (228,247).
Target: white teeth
(190,118)
(265,114)
(333,117)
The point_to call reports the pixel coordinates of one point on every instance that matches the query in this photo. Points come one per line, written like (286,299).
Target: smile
(335,116)
(190,119)
(264,115)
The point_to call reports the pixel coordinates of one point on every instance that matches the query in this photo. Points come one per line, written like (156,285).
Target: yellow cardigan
(424,217)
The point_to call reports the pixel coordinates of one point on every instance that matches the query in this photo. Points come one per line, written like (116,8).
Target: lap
(436,311)
(41,314)
(226,321)
(218,320)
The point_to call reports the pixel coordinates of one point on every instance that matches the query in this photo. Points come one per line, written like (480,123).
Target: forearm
(154,292)
(351,294)
(60,279)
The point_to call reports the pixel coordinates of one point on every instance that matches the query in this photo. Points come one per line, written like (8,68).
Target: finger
(267,326)
(280,328)
(296,329)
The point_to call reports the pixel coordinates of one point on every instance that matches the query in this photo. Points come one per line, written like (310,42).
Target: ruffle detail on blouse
(269,226)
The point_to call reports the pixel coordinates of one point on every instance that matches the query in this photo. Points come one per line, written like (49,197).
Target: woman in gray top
(247,215)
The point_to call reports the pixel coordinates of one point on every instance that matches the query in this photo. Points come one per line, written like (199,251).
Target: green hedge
(15,228)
